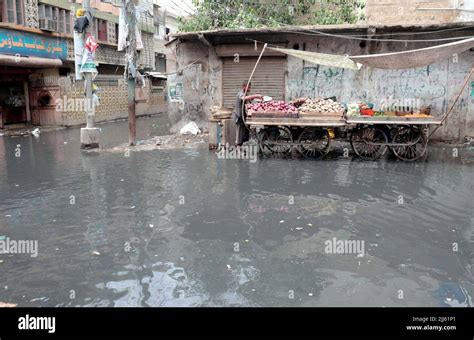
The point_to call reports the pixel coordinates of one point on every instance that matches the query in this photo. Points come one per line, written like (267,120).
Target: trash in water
(190,129)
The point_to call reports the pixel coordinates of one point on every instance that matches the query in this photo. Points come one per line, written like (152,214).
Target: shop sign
(30,44)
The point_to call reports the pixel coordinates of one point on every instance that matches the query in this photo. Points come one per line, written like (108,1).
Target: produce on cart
(272,109)
(320,107)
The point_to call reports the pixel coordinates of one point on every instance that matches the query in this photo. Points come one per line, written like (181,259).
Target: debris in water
(95,252)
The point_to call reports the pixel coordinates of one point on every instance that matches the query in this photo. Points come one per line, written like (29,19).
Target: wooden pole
(88,75)
(251,76)
(131,69)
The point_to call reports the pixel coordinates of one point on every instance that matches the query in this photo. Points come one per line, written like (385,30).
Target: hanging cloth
(414,58)
(332,60)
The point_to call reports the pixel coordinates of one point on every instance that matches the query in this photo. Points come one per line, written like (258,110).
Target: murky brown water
(183,228)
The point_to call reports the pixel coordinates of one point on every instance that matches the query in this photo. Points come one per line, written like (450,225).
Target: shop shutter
(268,80)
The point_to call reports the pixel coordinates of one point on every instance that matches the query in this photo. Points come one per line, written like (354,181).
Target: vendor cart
(406,137)
(310,136)
(370,137)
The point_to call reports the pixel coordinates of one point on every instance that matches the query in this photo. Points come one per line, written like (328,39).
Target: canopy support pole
(454,103)
(251,76)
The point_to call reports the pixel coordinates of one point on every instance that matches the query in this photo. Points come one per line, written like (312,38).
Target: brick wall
(113,101)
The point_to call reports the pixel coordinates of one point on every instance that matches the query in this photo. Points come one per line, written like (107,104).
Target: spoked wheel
(313,142)
(369,142)
(277,140)
(409,143)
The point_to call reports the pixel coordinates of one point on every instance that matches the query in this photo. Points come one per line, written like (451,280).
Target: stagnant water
(183,228)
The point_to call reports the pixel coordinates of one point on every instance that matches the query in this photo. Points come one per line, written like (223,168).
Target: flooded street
(184,228)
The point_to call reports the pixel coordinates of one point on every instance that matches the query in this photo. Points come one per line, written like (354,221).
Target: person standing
(240,114)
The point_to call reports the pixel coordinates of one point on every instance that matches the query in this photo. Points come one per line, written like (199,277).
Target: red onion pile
(273,106)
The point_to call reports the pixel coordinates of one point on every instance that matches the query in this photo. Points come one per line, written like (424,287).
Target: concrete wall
(435,85)
(195,79)
(418,11)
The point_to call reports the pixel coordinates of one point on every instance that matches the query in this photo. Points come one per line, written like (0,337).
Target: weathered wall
(195,80)
(417,11)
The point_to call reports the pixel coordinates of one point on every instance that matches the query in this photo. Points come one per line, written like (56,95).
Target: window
(68,22)
(12,11)
(61,16)
(100,28)
(61,20)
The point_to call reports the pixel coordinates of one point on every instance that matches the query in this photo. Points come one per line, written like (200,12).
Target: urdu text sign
(30,44)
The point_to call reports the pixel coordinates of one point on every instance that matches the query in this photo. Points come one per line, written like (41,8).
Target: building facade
(213,65)
(37,83)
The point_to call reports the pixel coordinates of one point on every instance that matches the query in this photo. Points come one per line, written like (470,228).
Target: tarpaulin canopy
(397,60)
(414,58)
(321,58)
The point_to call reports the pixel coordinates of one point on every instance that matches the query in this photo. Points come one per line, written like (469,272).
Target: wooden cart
(370,137)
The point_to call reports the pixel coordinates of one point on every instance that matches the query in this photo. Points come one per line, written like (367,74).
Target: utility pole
(130,67)
(89,134)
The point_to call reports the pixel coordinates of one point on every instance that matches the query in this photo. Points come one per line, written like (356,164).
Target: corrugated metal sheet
(268,80)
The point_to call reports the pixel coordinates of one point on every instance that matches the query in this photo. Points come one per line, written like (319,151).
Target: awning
(158,75)
(397,60)
(35,62)
(415,58)
(321,58)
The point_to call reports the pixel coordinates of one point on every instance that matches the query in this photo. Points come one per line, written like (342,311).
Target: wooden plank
(394,120)
(296,122)
(245,50)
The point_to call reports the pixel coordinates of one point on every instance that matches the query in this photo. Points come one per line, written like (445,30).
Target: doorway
(13,103)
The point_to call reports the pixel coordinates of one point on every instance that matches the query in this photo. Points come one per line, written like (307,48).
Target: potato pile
(321,105)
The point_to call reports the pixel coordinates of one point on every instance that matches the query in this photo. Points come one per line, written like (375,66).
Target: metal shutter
(268,80)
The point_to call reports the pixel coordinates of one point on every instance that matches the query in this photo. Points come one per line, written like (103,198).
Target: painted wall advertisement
(175,92)
(30,44)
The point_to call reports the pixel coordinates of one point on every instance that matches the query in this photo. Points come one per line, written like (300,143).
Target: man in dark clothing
(240,114)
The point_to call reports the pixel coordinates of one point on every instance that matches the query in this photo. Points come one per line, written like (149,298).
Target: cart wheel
(277,139)
(313,142)
(369,142)
(262,141)
(414,143)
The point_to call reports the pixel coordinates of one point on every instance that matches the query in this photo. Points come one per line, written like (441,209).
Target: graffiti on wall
(175,92)
(431,85)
